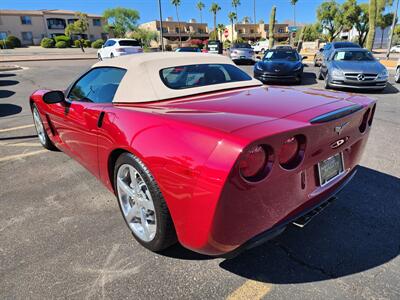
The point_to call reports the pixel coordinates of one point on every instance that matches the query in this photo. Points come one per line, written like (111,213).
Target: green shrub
(5,44)
(14,41)
(47,43)
(97,44)
(77,44)
(87,44)
(63,38)
(61,44)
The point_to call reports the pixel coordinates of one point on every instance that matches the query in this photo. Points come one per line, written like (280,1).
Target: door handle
(100,120)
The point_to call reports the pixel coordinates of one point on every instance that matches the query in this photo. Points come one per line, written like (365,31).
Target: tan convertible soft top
(142,81)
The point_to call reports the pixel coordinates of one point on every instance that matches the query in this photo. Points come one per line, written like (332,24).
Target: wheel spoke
(134,183)
(127,190)
(146,204)
(132,213)
(145,227)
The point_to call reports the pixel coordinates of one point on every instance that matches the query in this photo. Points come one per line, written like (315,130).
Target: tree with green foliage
(384,21)
(272,20)
(235,4)
(214,9)
(356,15)
(330,16)
(376,7)
(79,27)
(200,6)
(221,29)
(293,2)
(232,18)
(310,33)
(145,36)
(120,21)
(177,3)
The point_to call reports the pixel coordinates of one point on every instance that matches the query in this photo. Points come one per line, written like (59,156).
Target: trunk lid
(232,110)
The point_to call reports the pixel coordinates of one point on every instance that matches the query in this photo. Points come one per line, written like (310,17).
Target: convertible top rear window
(190,76)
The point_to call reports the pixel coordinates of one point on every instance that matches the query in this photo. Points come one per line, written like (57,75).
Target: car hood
(359,66)
(231,110)
(279,65)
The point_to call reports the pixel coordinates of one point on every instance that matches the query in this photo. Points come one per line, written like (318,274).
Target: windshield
(241,45)
(281,55)
(353,55)
(190,76)
(131,43)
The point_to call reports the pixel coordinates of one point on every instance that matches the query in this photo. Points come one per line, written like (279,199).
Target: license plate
(330,168)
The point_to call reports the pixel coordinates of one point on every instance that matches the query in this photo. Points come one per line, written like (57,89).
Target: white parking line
(23,155)
(16,128)
(21,144)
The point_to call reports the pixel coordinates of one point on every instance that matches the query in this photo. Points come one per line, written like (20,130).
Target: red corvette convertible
(196,150)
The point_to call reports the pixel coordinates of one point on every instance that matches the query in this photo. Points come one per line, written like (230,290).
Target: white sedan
(119,47)
(395,49)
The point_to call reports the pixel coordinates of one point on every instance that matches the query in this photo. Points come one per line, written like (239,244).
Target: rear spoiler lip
(336,114)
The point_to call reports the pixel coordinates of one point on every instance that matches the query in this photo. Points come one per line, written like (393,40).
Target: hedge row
(63,41)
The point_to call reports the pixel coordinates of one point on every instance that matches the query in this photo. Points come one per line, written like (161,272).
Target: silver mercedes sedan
(353,68)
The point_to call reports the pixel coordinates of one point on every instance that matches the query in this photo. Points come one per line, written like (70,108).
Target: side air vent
(336,114)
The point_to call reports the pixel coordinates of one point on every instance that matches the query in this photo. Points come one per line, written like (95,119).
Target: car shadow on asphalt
(9,109)
(358,232)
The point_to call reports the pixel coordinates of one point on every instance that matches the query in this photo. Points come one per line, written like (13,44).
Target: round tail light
(291,153)
(253,162)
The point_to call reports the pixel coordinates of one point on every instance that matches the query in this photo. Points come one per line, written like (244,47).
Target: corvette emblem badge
(338,143)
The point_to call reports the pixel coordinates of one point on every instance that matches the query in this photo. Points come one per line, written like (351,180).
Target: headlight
(258,67)
(337,73)
(383,75)
(297,68)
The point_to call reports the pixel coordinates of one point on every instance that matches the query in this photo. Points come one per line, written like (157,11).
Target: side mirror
(53,97)
(304,57)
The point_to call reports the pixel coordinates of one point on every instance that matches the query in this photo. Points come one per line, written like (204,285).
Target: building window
(27,37)
(240,31)
(96,22)
(200,30)
(251,30)
(280,30)
(177,30)
(56,23)
(72,21)
(164,30)
(26,20)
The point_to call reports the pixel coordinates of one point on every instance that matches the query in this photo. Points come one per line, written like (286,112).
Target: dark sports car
(280,65)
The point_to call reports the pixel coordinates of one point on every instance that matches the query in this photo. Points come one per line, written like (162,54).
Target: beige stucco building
(30,26)
(248,31)
(189,30)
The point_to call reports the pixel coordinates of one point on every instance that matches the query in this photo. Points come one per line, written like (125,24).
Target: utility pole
(161,27)
(393,27)
(255,20)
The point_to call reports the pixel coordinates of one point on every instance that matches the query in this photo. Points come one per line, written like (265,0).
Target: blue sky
(305,9)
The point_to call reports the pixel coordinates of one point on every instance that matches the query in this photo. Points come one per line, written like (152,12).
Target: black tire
(45,140)
(326,82)
(165,231)
(111,55)
(320,76)
(397,75)
(99,57)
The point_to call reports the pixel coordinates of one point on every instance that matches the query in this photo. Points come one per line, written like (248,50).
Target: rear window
(190,76)
(346,45)
(129,43)
(241,45)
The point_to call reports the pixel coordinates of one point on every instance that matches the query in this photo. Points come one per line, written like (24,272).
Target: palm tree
(246,19)
(232,17)
(221,29)
(214,9)
(235,4)
(200,6)
(293,2)
(177,3)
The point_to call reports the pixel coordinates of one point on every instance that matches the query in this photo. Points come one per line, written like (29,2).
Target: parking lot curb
(9,68)
(45,59)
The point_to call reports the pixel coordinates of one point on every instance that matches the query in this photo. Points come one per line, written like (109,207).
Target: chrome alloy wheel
(136,203)
(39,126)
(397,75)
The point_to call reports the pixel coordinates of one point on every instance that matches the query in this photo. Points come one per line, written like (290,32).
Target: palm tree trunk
(179,27)
(383,31)
(294,15)
(215,26)
(232,31)
(201,17)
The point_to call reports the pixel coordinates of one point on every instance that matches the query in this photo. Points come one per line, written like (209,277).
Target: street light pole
(392,29)
(161,27)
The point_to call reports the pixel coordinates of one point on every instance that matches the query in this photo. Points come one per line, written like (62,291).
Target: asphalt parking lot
(62,235)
